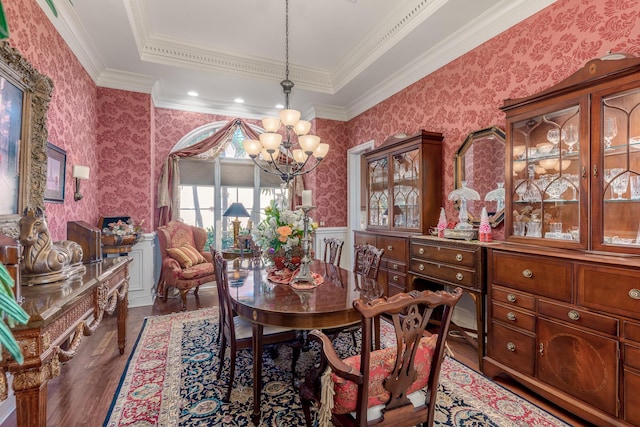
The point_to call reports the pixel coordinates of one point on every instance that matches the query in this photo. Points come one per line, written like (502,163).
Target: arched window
(209,185)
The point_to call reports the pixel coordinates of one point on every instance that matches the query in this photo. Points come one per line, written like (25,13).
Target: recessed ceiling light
(279,106)
(239,100)
(192,93)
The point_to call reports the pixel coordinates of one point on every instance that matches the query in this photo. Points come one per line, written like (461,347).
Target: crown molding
(72,32)
(124,80)
(500,18)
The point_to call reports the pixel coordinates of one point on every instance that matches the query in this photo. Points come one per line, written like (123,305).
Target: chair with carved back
(333,250)
(395,386)
(367,259)
(185,263)
(236,331)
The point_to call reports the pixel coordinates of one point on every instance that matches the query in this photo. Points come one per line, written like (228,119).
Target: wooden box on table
(10,256)
(87,236)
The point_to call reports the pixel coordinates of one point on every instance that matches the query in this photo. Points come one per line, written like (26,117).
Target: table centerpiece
(280,235)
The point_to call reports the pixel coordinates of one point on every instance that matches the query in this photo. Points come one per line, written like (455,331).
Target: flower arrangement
(280,233)
(122,232)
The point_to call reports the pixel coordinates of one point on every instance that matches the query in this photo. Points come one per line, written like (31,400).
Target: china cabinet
(563,291)
(404,196)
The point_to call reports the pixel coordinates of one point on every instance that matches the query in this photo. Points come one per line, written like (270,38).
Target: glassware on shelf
(554,137)
(534,227)
(609,174)
(574,179)
(620,185)
(634,181)
(556,189)
(610,131)
(521,188)
(570,136)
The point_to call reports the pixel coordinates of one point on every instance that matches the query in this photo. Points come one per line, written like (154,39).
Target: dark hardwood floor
(82,394)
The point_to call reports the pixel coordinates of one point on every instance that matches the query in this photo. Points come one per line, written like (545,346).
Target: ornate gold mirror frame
(480,162)
(23,136)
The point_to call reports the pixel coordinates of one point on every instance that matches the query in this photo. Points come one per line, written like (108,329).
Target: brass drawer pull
(389,248)
(574,315)
(421,251)
(527,273)
(512,298)
(511,316)
(395,266)
(421,267)
(511,346)
(634,293)
(458,257)
(395,278)
(459,276)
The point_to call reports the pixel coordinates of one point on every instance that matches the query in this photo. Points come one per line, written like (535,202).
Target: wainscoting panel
(333,232)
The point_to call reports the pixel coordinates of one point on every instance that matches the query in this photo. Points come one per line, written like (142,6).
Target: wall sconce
(79,172)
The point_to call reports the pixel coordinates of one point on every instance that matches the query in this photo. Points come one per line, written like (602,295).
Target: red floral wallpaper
(465,95)
(124,140)
(72,117)
(125,152)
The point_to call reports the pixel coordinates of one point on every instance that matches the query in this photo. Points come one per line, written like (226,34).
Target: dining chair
(236,331)
(394,386)
(367,259)
(333,250)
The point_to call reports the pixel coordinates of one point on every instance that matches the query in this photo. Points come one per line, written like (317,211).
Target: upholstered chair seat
(185,265)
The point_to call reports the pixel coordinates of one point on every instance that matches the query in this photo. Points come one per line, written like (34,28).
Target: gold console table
(61,314)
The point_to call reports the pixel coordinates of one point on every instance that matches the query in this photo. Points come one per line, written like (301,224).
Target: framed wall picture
(56,170)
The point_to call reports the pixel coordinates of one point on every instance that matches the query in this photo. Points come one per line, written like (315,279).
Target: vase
(290,260)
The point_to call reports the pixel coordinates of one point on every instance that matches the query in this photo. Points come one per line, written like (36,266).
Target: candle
(306,198)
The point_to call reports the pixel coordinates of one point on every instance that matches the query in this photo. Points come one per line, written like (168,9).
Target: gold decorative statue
(46,261)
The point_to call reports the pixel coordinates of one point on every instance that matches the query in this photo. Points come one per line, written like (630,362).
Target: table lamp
(237,210)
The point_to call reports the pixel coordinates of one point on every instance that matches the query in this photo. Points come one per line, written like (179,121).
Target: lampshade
(236,209)
(309,143)
(302,127)
(299,156)
(271,124)
(270,141)
(321,151)
(252,147)
(81,172)
(289,117)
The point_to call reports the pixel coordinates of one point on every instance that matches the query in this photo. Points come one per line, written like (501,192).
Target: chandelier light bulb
(302,127)
(266,156)
(309,143)
(299,156)
(321,151)
(271,141)
(289,117)
(271,124)
(252,147)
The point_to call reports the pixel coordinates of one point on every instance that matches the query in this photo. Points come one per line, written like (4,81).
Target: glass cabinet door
(406,189)
(378,174)
(546,157)
(618,180)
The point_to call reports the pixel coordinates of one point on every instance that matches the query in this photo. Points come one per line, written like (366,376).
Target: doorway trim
(353,182)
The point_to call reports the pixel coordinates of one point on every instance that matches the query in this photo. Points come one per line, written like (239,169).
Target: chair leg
(165,293)
(294,362)
(232,370)
(183,297)
(195,291)
(223,351)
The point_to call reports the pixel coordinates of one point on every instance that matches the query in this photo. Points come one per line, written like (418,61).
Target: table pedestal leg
(257,372)
(123,308)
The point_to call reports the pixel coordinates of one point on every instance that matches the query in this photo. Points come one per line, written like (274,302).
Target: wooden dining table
(264,302)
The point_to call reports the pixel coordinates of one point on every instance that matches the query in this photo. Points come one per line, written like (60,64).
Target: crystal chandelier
(279,157)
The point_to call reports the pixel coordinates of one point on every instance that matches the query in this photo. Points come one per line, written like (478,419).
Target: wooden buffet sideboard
(61,314)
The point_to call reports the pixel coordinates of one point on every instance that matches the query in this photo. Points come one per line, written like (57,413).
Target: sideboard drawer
(393,265)
(539,275)
(514,298)
(396,278)
(394,247)
(511,316)
(512,348)
(578,317)
(631,331)
(632,356)
(611,289)
(454,275)
(453,256)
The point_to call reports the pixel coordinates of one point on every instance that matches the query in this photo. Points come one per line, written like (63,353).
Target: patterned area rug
(170,381)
